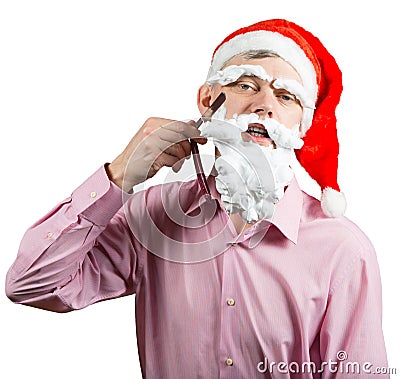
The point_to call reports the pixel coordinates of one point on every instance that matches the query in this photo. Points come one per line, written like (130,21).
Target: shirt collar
(287,212)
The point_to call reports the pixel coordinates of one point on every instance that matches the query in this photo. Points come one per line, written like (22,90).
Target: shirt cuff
(97,198)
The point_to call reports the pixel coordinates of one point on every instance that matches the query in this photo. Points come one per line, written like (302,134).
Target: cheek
(233,105)
(299,115)
(291,118)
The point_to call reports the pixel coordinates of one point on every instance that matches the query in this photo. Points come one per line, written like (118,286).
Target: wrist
(115,173)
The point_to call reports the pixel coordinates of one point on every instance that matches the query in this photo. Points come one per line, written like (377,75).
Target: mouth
(260,135)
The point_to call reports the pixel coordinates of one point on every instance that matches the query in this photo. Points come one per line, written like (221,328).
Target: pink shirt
(281,299)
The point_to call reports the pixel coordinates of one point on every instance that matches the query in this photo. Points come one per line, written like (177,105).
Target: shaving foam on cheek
(251,178)
(282,136)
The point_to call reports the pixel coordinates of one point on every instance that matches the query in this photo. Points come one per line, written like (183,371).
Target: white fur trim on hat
(333,203)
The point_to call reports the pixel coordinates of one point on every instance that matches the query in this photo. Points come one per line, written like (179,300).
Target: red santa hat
(322,80)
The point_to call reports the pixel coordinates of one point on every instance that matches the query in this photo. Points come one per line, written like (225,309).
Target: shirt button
(50,234)
(231,302)
(233,243)
(229,362)
(93,194)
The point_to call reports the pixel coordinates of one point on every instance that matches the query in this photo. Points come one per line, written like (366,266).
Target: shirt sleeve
(351,338)
(79,253)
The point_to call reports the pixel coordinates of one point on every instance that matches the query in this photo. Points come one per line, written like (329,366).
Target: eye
(246,87)
(287,97)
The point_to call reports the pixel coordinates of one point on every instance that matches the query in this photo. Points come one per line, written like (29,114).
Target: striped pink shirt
(283,299)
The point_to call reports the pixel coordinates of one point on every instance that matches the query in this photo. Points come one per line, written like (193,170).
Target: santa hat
(322,80)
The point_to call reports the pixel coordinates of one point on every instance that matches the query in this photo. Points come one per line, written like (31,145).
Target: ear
(204,97)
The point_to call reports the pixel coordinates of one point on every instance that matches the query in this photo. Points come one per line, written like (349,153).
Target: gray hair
(251,54)
(254,54)
(258,54)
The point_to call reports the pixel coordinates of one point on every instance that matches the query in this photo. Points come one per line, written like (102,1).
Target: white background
(78,78)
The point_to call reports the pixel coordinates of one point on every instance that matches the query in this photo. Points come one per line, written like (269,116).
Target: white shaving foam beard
(251,178)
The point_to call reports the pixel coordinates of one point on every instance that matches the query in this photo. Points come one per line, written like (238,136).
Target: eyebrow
(295,88)
(249,76)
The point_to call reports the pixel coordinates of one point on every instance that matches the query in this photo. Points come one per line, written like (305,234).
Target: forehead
(274,66)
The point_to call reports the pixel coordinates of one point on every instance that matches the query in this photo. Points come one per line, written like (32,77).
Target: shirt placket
(230,308)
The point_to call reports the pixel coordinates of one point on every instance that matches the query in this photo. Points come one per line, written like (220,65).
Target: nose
(263,104)
(263,112)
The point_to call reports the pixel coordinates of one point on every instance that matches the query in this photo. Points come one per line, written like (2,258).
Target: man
(277,284)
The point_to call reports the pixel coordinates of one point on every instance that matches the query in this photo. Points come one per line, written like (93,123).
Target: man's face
(250,94)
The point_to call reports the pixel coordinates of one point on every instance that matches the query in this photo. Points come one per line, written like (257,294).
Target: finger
(186,147)
(178,165)
(170,136)
(185,129)
(172,145)
(162,160)
(181,149)
(179,132)
(200,140)
(161,140)
(191,122)
(175,150)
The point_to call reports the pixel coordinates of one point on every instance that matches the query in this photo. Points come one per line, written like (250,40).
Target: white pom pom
(333,203)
